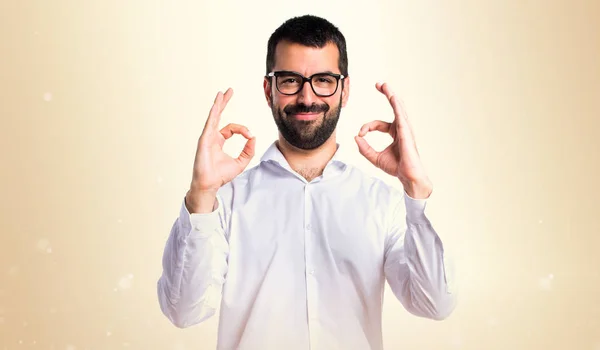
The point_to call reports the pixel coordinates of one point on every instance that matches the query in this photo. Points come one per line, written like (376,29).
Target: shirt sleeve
(194,267)
(417,266)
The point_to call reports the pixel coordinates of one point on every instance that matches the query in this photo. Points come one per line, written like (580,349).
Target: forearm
(430,291)
(194,266)
(422,275)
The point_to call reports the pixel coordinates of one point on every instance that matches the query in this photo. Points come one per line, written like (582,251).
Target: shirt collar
(274,155)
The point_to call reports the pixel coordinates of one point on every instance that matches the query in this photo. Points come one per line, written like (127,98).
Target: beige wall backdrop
(102,103)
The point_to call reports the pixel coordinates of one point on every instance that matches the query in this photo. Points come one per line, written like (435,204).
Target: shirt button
(312,272)
(308,227)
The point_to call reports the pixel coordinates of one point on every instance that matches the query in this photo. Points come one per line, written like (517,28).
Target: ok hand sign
(400,158)
(212,166)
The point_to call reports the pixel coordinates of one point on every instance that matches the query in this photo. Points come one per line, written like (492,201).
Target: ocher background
(102,103)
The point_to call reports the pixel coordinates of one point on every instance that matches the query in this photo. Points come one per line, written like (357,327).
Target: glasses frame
(276,74)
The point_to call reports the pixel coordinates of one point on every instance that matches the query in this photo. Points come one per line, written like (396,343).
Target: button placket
(311,291)
(307,231)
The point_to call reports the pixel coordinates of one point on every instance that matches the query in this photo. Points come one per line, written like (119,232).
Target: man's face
(305,119)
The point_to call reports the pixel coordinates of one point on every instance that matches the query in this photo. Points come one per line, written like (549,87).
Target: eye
(289,79)
(324,80)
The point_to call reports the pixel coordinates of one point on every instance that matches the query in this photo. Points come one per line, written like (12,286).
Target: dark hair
(308,30)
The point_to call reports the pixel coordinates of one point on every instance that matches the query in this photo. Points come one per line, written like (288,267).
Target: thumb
(366,150)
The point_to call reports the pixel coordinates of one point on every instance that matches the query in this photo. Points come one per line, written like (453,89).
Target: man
(296,250)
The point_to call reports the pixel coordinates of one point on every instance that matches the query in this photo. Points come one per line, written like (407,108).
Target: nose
(306,95)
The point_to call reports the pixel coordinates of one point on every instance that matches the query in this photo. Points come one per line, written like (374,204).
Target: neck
(308,163)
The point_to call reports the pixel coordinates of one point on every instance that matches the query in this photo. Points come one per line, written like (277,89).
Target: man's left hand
(401,158)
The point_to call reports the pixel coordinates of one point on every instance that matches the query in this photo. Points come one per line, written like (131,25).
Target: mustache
(302,108)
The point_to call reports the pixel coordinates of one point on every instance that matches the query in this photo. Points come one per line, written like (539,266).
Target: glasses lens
(289,83)
(324,84)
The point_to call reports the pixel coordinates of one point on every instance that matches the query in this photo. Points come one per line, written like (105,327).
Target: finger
(400,115)
(366,150)
(211,121)
(385,89)
(247,153)
(231,129)
(226,97)
(376,125)
(217,108)
(395,101)
(404,127)
(399,111)
(398,106)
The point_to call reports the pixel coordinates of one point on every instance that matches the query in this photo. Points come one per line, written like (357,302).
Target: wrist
(200,202)
(418,189)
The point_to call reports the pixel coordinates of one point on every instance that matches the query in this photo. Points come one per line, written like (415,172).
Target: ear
(345,91)
(267,89)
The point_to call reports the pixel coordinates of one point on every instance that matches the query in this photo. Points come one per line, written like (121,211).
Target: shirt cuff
(203,224)
(415,210)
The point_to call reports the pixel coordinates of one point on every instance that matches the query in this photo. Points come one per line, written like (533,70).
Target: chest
(334,227)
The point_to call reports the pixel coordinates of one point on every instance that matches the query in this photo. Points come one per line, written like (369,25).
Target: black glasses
(322,84)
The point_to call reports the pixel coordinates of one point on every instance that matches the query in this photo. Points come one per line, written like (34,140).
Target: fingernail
(250,134)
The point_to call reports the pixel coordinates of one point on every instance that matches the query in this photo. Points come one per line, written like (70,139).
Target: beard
(307,134)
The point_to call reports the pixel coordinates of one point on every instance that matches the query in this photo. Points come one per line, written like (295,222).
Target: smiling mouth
(306,116)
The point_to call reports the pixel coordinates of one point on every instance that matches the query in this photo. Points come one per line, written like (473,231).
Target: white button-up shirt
(293,264)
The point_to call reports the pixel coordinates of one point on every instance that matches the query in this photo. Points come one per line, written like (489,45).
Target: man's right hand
(212,166)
